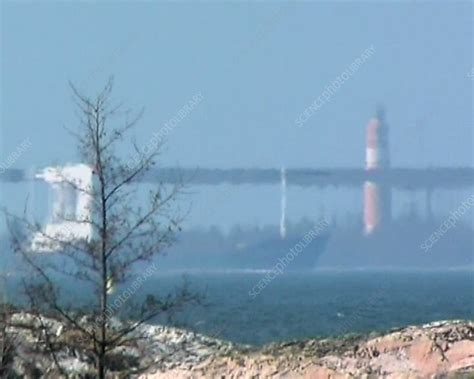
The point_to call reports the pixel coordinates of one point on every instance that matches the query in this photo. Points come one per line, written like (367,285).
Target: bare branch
(123,233)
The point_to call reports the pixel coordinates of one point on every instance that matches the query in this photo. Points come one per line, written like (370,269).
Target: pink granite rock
(442,349)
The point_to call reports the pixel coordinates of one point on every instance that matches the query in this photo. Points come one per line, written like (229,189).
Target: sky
(257,65)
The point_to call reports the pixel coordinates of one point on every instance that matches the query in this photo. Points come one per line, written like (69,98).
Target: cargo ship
(401,244)
(257,249)
(298,247)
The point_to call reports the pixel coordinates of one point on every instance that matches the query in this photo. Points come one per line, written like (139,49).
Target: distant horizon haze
(258,67)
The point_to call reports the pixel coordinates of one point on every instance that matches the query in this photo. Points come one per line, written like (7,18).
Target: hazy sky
(257,65)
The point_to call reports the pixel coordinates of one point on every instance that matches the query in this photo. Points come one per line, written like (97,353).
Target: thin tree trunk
(103,307)
(103,253)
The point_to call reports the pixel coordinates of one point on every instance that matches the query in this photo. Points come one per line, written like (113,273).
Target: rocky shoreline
(442,349)
(438,350)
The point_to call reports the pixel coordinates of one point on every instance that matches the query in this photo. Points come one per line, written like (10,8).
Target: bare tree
(124,231)
(7,341)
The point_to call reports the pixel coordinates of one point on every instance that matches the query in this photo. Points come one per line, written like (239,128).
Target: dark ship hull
(403,243)
(259,255)
(267,254)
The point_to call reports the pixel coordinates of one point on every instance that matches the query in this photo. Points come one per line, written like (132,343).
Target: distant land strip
(405,178)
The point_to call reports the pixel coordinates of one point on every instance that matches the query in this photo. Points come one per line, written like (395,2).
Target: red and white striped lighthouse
(376,151)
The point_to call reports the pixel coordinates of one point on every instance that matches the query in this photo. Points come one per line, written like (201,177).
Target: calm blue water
(302,305)
(310,304)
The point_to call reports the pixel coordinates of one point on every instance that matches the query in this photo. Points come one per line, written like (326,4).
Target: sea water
(318,303)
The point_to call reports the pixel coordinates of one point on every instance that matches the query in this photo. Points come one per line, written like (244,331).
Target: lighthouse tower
(377,196)
(377,154)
